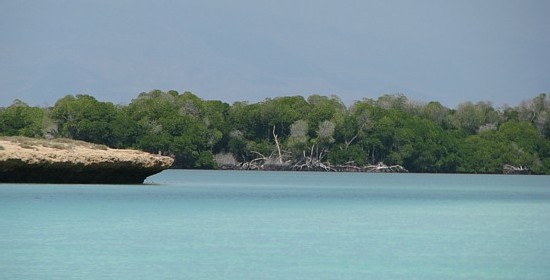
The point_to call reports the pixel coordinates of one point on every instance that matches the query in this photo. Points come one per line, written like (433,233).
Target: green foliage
(352,154)
(516,143)
(21,119)
(181,125)
(256,121)
(298,141)
(471,117)
(324,108)
(205,160)
(473,138)
(438,114)
(82,117)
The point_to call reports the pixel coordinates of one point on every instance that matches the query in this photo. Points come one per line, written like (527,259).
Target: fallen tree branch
(511,169)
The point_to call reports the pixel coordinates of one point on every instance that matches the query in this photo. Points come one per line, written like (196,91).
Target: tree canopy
(422,137)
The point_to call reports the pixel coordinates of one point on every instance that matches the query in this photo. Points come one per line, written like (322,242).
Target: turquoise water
(279,225)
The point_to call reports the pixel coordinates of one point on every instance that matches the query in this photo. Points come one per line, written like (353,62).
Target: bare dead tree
(275,136)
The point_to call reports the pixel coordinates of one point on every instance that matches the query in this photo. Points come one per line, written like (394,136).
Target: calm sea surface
(279,225)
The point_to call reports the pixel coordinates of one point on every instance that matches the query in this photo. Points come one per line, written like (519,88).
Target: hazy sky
(448,51)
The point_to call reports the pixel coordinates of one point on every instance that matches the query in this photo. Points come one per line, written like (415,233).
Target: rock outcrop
(29,160)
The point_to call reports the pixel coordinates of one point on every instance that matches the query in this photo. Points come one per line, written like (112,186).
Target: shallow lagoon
(279,225)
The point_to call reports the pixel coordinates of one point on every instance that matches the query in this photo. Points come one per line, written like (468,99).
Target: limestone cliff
(29,160)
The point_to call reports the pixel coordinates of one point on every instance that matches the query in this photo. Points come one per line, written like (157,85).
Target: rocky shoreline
(29,160)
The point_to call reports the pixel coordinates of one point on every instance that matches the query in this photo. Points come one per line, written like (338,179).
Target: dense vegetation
(473,138)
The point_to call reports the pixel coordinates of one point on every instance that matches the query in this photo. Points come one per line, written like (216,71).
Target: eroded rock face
(28,160)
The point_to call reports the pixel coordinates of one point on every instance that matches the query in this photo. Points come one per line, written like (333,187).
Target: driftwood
(349,168)
(313,162)
(511,169)
(382,168)
(272,163)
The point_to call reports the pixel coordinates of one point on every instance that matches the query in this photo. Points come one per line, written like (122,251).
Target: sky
(243,50)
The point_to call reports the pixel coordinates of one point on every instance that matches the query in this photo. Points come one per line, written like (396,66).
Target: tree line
(392,129)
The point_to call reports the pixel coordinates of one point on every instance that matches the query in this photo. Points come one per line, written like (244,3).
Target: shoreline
(30,160)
